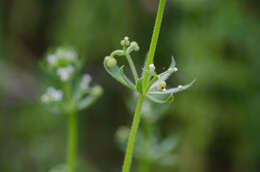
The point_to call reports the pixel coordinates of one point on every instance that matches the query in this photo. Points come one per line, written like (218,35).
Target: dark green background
(215,41)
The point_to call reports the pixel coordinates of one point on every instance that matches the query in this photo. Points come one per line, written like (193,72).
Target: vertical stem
(155,37)
(132,136)
(72,142)
(72,131)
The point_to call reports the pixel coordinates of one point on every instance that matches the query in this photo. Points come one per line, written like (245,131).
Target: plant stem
(72,142)
(132,66)
(155,37)
(72,130)
(132,136)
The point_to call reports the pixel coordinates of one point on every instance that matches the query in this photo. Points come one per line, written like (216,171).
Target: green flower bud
(110,61)
(97,90)
(135,46)
(125,41)
(161,86)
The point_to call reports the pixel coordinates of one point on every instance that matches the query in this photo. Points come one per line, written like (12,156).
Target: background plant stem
(155,37)
(132,136)
(72,142)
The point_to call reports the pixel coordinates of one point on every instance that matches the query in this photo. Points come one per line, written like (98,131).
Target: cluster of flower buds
(52,95)
(63,63)
(152,88)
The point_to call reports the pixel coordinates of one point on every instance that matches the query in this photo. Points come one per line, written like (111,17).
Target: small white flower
(126,38)
(125,41)
(180,86)
(65,72)
(151,67)
(86,79)
(164,89)
(45,98)
(175,69)
(52,59)
(52,95)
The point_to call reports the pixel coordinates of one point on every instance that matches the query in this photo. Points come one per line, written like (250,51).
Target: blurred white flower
(86,79)
(52,59)
(65,72)
(52,95)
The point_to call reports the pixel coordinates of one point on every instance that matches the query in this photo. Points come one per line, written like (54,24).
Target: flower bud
(151,67)
(135,46)
(125,41)
(171,70)
(110,61)
(97,90)
(161,86)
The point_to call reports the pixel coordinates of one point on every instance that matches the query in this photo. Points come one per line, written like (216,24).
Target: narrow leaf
(169,99)
(172,90)
(115,73)
(125,78)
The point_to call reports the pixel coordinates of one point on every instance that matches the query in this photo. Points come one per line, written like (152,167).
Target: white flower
(86,79)
(52,59)
(52,95)
(164,89)
(45,98)
(65,72)
(151,67)
(180,86)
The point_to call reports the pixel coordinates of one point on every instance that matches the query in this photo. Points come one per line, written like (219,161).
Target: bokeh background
(217,121)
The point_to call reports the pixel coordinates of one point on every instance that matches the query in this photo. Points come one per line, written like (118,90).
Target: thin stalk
(72,130)
(72,142)
(132,66)
(132,136)
(155,37)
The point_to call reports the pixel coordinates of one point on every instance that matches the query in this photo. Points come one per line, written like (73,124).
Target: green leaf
(155,99)
(171,90)
(86,102)
(115,73)
(125,78)
(139,86)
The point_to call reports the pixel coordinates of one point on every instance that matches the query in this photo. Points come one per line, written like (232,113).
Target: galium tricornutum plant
(68,93)
(149,85)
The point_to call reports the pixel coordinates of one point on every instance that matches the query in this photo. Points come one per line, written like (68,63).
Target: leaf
(165,75)
(139,86)
(125,78)
(86,102)
(172,90)
(169,99)
(115,73)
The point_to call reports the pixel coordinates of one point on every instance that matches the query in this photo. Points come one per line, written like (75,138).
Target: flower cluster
(155,89)
(76,93)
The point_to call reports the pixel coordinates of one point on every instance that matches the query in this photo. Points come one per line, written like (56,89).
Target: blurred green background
(215,41)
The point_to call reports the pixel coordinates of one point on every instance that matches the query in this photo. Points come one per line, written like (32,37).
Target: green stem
(132,136)
(155,37)
(72,142)
(132,66)
(72,130)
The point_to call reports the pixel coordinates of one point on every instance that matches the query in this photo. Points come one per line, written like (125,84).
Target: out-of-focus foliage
(217,120)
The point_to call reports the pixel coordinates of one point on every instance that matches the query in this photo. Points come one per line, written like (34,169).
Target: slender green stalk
(132,66)
(137,116)
(155,37)
(72,142)
(132,136)
(72,131)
